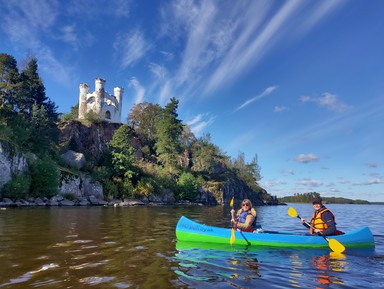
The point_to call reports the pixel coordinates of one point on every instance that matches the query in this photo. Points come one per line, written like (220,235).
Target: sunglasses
(245,205)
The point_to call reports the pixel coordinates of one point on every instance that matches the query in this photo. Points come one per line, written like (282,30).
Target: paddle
(335,245)
(232,239)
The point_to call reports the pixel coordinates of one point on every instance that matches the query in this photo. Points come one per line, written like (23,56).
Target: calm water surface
(136,247)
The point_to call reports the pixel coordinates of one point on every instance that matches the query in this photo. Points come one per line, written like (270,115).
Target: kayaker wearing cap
(323,219)
(245,218)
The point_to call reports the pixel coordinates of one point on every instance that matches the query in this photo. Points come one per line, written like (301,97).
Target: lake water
(136,247)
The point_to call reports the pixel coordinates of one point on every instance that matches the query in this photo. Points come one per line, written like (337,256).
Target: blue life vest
(243,216)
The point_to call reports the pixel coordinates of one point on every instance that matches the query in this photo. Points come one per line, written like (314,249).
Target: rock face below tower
(107,106)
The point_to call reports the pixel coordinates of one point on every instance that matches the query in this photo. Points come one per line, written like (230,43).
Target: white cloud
(328,100)
(266,92)
(307,158)
(376,181)
(287,172)
(131,47)
(310,183)
(198,123)
(158,71)
(280,109)
(140,91)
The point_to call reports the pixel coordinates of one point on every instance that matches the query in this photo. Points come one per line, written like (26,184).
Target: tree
(142,119)
(32,90)
(248,172)
(187,187)
(168,131)
(206,157)
(44,177)
(122,152)
(9,81)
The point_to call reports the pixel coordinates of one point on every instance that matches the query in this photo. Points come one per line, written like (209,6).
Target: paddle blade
(336,246)
(292,212)
(233,238)
(231,202)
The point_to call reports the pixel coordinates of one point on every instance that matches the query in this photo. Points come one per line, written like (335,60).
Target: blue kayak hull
(188,230)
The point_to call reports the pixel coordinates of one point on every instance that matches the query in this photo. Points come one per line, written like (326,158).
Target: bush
(187,187)
(44,178)
(18,187)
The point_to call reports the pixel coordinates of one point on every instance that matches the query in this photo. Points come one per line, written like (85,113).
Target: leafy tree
(17,187)
(187,187)
(248,172)
(44,177)
(206,156)
(168,131)
(142,119)
(122,152)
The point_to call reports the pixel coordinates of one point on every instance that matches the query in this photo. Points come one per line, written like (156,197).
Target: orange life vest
(318,222)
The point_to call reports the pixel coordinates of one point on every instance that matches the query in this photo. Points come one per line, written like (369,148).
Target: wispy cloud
(159,71)
(287,172)
(132,46)
(140,91)
(266,92)
(199,123)
(376,181)
(307,158)
(310,183)
(280,108)
(328,100)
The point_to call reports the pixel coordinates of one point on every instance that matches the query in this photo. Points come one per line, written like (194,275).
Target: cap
(316,201)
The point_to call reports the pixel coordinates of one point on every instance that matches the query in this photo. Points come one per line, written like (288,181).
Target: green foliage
(25,108)
(187,187)
(168,132)
(18,187)
(146,187)
(72,115)
(44,177)
(122,152)
(300,198)
(92,117)
(248,172)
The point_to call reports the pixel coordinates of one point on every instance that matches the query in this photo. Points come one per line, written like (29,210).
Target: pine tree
(168,131)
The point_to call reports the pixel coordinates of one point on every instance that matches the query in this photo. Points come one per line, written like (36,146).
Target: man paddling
(323,220)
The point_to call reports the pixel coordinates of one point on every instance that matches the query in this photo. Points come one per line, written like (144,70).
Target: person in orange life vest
(323,220)
(245,218)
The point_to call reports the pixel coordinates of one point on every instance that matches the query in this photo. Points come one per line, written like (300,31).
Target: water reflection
(245,267)
(324,266)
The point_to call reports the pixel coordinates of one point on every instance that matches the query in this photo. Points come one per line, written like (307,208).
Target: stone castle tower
(106,106)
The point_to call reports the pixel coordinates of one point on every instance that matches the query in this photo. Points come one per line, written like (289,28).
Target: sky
(297,83)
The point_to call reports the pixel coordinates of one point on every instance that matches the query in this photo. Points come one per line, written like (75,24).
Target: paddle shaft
(320,234)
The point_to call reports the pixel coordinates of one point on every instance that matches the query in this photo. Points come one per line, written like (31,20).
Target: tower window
(107,114)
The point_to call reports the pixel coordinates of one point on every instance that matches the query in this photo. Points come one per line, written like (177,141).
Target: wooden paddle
(335,245)
(233,238)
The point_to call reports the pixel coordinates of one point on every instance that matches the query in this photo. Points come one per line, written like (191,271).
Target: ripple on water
(94,280)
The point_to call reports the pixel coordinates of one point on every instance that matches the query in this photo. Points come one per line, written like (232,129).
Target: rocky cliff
(90,140)
(12,162)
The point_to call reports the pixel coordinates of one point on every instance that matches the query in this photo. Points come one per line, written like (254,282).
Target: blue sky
(299,83)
